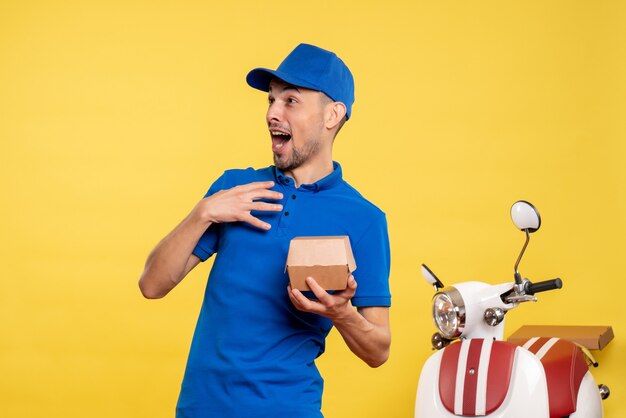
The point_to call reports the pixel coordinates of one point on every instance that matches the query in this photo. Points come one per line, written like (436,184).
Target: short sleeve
(208,243)
(373,259)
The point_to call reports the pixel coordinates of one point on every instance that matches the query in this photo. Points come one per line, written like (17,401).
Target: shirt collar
(325,183)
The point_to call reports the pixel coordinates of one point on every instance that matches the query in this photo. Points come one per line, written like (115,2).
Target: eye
(292,100)
(270,100)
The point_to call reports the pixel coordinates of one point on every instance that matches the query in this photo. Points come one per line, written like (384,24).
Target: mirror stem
(518,277)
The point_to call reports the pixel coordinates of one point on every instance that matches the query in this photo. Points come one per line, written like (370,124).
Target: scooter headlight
(449,312)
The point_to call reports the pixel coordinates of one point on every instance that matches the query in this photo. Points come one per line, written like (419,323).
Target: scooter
(476,373)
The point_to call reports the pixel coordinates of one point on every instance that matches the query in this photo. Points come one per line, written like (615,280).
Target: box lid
(321,251)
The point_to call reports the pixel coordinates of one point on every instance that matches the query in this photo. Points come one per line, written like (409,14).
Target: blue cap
(313,68)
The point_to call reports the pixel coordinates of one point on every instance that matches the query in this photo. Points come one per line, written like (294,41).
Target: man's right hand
(172,259)
(235,205)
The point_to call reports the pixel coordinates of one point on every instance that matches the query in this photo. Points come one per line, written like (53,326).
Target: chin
(285,165)
(280,163)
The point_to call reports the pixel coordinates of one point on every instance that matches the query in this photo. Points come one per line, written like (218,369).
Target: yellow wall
(116,116)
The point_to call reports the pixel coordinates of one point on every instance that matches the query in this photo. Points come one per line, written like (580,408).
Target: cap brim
(260,78)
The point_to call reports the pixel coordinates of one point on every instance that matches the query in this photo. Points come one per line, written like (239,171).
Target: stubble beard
(298,156)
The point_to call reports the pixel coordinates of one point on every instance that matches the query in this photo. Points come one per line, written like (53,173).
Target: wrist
(346,317)
(202,213)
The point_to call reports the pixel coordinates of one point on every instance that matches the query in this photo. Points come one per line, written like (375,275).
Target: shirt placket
(289,206)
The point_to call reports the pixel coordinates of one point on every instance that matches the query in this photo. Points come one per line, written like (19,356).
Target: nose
(274,113)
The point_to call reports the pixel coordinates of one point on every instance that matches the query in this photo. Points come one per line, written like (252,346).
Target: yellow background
(116,116)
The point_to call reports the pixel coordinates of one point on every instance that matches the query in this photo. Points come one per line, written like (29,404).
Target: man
(256,339)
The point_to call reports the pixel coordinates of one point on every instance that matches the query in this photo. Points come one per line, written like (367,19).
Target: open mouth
(279,139)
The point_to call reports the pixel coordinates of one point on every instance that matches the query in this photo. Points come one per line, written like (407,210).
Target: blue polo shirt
(253,353)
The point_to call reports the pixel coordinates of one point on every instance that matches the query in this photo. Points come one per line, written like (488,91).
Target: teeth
(278,133)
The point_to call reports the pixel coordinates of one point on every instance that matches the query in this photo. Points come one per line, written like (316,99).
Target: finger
(318,291)
(350,289)
(292,296)
(256,185)
(264,207)
(352,283)
(303,303)
(258,190)
(293,299)
(257,194)
(256,222)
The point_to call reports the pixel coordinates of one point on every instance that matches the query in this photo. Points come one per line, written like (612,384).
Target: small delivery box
(329,260)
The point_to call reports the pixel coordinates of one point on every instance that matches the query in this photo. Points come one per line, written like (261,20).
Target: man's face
(295,118)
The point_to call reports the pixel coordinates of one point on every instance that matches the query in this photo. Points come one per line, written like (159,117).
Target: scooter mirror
(525,216)
(431,278)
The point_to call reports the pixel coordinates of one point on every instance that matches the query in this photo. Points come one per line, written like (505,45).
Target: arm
(365,331)
(172,259)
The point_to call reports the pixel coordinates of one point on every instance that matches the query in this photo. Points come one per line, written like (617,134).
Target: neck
(310,172)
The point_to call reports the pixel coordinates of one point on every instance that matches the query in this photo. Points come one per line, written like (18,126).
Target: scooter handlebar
(533,288)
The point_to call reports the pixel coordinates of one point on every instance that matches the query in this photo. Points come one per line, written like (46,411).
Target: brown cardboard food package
(591,337)
(329,260)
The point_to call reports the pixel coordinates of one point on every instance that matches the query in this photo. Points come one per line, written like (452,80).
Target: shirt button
(286,213)
(293,196)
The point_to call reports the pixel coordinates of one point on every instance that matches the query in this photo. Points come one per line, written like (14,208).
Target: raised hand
(235,205)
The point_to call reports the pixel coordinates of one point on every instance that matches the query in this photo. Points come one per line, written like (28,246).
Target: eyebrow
(287,87)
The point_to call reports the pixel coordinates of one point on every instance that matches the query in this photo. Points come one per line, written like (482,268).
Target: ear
(335,112)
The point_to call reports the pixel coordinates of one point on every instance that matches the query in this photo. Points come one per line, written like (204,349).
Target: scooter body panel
(589,402)
(566,370)
(527,395)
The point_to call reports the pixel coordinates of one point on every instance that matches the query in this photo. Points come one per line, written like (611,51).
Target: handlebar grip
(533,288)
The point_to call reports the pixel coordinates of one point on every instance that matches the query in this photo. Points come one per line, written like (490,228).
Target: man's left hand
(333,306)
